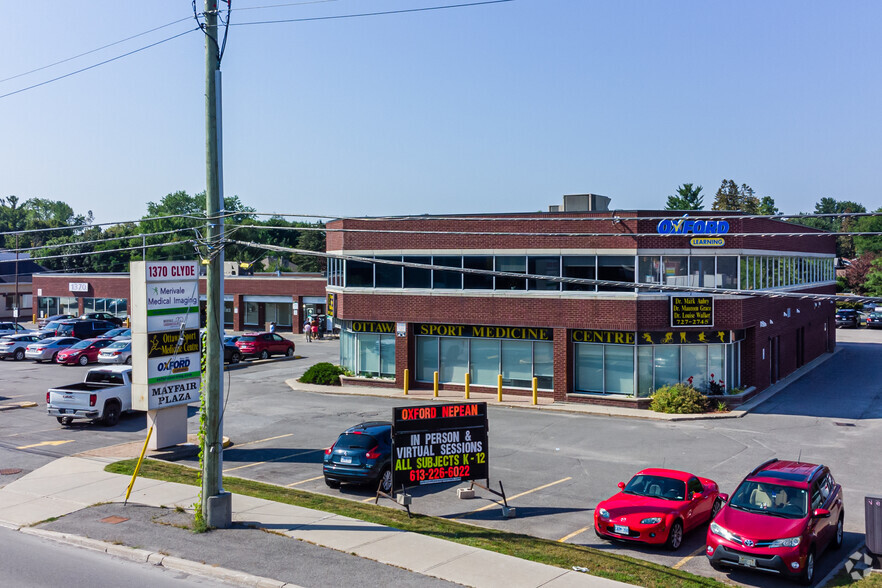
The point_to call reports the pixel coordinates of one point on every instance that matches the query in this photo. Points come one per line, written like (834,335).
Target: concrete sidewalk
(71,484)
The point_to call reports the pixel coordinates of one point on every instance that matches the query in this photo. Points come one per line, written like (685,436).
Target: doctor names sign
(165,334)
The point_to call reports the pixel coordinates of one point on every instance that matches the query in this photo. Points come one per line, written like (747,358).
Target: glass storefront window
(702,270)
(543,266)
(618,363)
(715,365)
(675,270)
(415,277)
(517,363)
(484,361)
(427,358)
(644,371)
(617,268)
(649,269)
(359,274)
(277,312)
(368,354)
(444,279)
(387,356)
(589,368)
(727,272)
(251,313)
(693,364)
(543,364)
(454,359)
(387,275)
(667,365)
(228,312)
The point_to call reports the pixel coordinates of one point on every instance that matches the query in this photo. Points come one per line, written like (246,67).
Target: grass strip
(562,555)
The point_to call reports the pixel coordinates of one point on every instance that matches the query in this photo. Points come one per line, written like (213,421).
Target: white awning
(283,299)
(314,300)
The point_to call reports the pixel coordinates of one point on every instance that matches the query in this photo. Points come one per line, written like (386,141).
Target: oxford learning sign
(165,334)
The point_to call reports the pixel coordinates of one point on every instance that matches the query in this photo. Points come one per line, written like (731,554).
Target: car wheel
(129,360)
(83,360)
(290,352)
(19,354)
(675,536)
(235,358)
(54,357)
(808,573)
(837,540)
(333,484)
(718,504)
(111,414)
(717,565)
(386,481)
(264,354)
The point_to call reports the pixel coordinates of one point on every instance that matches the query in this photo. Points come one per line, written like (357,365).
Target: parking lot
(554,466)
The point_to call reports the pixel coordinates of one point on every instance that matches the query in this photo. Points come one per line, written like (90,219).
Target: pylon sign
(165,324)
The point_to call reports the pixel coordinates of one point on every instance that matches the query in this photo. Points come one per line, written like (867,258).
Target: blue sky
(495,108)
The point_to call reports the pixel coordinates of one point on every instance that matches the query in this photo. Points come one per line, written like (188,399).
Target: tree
(856,274)
(873,285)
(767,206)
(847,246)
(686,198)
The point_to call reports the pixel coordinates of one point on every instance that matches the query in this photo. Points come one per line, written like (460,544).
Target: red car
(657,506)
(263,345)
(782,516)
(84,352)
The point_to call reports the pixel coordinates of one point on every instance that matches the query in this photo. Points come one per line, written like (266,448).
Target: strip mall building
(598,342)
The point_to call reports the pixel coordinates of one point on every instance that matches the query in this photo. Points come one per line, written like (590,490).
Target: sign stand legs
(403,498)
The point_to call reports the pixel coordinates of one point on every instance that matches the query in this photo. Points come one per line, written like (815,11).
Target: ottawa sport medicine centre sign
(166,367)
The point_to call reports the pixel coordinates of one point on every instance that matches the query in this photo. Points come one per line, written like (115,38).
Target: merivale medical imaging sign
(166,367)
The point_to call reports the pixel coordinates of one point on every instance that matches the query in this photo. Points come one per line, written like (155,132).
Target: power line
(106,61)
(364,14)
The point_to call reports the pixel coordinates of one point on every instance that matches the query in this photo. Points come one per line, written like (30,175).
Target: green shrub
(326,374)
(678,399)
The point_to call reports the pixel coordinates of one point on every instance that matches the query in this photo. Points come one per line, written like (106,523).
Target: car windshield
(355,441)
(81,345)
(657,486)
(115,332)
(52,325)
(770,498)
(119,345)
(247,338)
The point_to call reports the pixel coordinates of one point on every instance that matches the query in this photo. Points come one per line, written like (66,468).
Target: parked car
(47,349)
(14,346)
(361,455)
(41,323)
(11,328)
(263,345)
(119,334)
(780,519)
(657,506)
(103,316)
(846,317)
(102,396)
(50,329)
(231,352)
(117,352)
(874,320)
(83,329)
(83,352)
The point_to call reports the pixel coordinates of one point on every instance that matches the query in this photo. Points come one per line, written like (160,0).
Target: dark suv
(83,329)
(361,455)
(780,519)
(846,317)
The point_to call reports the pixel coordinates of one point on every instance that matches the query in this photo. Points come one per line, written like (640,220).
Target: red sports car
(84,352)
(657,506)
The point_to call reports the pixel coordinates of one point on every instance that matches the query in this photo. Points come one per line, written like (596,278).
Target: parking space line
(565,538)
(374,497)
(686,559)
(248,465)
(507,498)
(261,440)
(304,481)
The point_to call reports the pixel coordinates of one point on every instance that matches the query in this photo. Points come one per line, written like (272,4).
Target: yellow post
(467,381)
(535,391)
(499,388)
(406,380)
(435,384)
(138,466)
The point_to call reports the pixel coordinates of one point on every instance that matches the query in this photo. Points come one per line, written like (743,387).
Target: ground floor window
(518,362)
(116,306)
(279,313)
(51,305)
(367,354)
(252,316)
(639,370)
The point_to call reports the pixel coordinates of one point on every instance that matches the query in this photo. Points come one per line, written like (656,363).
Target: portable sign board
(439,443)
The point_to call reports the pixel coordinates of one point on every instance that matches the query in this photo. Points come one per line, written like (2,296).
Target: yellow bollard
(499,388)
(435,384)
(138,466)
(535,391)
(406,380)
(467,380)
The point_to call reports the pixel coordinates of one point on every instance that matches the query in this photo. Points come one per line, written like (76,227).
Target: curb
(25,404)
(158,559)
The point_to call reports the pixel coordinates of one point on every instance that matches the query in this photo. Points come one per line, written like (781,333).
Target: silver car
(47,349)
(117,352)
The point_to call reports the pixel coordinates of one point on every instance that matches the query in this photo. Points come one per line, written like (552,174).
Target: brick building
(250,302)
(583,341)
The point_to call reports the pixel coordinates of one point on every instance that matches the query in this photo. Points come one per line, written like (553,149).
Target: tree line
(862,253)
(166,232)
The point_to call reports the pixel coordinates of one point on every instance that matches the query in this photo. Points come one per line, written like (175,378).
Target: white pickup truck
(103,396)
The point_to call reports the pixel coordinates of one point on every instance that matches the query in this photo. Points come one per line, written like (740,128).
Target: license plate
(345,459)
(746,561)
(621,529)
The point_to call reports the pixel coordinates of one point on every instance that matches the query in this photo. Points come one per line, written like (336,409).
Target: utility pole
(15,304)
(216,504)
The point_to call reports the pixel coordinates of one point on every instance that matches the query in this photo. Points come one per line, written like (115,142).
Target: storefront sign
(401,329)
(521,333)
(439,443)
(172,393)
(596,336)
(371,327)
(173,367)
(707,242)
(332,298)
(78,286)
(652,337)
(172,342)
(686,225)
(692,311)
